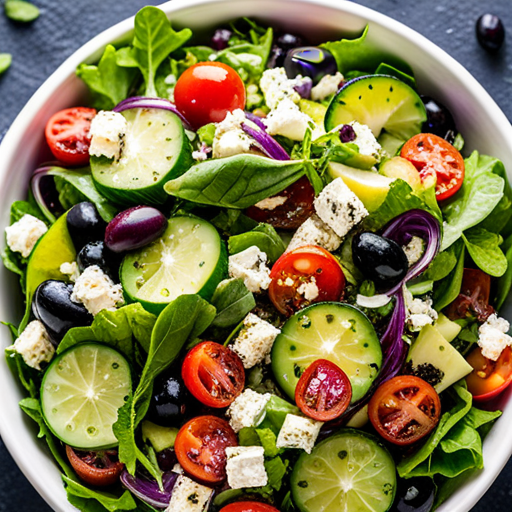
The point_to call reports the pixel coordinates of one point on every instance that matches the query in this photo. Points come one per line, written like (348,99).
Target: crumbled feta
(247,410)
(339,207)
(327,86)
(177,469)
(229,138)
(200,156)
(245,467)
(309,289)
(96,291)
(34,345)
(23,235)
(170,80)
(366,141)
(251,266)
(70,269)
(419,312)
(188,496)
(376,301)
(108,131)
(414,250)
(493,338)
(254,342)
(271,203)
(276,87)
(298,432)
(287,120)
(314,231)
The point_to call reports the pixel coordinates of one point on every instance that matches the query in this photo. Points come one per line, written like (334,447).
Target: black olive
(166,459)
(379,259)
(414,495)
(52,305)
(310,61)
(490,32)
(85,224)
(439,119)
(95,253)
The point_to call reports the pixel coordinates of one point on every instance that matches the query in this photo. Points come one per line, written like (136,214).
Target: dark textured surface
(65,25)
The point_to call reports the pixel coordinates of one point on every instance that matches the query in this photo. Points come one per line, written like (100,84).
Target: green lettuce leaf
(233,301)
(448,288)
(504,283)
(484,247)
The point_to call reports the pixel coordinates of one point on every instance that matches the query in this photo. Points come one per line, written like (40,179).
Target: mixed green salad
(260,276)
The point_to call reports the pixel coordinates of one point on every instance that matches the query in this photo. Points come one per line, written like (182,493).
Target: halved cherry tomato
(207,91)
(489,378)
(67,134)
(303,276)
(200,447)
(404,409)
(248,506)
(432,155)
(214,374)
(323,391)
(99,468)
(297,208)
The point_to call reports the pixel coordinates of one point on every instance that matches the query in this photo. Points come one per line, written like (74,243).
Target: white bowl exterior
(479,119)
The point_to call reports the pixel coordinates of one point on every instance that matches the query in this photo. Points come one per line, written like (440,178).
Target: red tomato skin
(207,359)
(99,477)
(248,506)
(207,91)
(67,135)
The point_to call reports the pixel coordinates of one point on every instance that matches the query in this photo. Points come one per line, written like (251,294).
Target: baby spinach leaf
(21,11)
(233,222)
(264,236)
(448,288)
(108,81)
(441,266)
(5,62)
(484,247)
(505,281)
(232,301)
(237,181)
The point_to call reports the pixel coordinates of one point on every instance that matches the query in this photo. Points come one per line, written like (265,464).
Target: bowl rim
(481,481)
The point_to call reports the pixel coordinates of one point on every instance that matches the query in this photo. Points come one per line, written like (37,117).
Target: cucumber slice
(348,472)
(188,258)
(384,103)
(155,151)
(81,392)
(330,330)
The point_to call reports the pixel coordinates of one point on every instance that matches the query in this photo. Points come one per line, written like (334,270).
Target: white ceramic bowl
(480,120)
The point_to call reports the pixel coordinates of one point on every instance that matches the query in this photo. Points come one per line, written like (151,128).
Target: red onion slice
(45,196)
(147,489)
(266,143)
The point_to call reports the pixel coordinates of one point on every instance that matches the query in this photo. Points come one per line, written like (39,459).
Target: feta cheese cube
(70,269)
(255,340)
(188,496)
(108,131)
(229,138)
(419,312)
(96,291)
(414,250)
(23,235)
(314,231)
(276,87)
(287,120)
(34,345)
(493,338)
(271,203)
(309,289)
(248,410)
(327,86)
(245,467)
(366,141)
(251,266)
(298,432)
(339,207)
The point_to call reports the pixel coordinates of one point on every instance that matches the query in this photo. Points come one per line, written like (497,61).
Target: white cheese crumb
(309,289)
(229,138)
(287,120)
(254,342)
(245,467)
(108,130)
(376,301)
(314,231)
(298,432)
(414,250)
(70,269)
(276,87)
(248,410)
(188,496)
(200,156)
(271,203)
(23,235)
(366,141)
(493,338)
(419,312)
(251,266)
(96,291)
(177,469)
(34,345)
(327,86)
(339,207)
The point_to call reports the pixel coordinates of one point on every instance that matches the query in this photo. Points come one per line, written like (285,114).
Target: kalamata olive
(282,45)
(134,228)
(414,495)
(380,259)
(490,32)
(439,119)
(166,459)
(347,133)
(220,38)
(52,305)
(95,253)
(169,401)
(310,61)
(85,224)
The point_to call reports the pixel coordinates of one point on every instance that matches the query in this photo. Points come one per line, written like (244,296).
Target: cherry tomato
(214,374)
(323,391)
(305,275)
(404,409)
(100,468)
(200,447)
(207,91)
(489,378)
(473,299)
(297,208)
(67,134)
(248,506)
(432,155)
